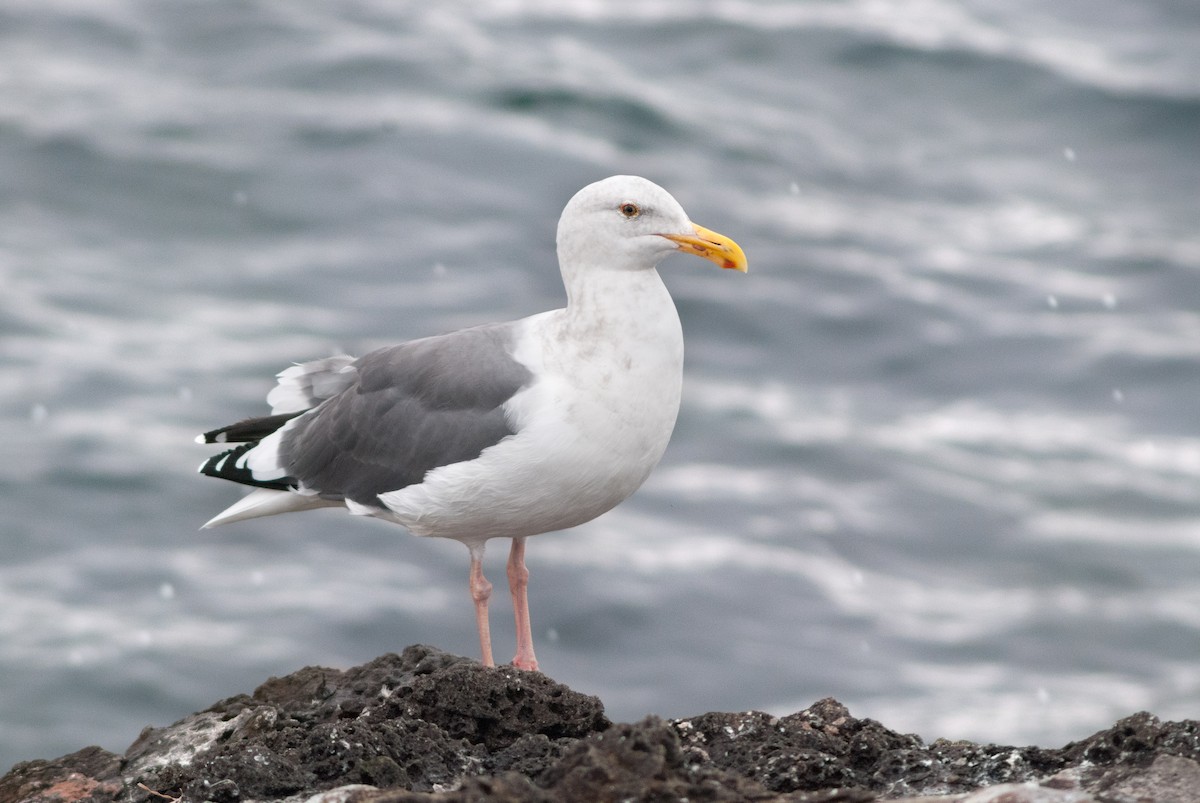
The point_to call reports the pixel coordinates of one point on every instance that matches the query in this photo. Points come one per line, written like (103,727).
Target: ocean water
(939,451)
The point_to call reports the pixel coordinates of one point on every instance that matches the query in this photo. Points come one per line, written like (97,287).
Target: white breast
(590,428)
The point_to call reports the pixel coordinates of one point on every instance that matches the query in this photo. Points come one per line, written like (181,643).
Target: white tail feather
(267,502)
(305,385)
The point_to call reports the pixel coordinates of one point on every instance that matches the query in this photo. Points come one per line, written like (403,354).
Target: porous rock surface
(429,726)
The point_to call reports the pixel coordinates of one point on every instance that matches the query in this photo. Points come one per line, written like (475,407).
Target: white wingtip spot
(200,439)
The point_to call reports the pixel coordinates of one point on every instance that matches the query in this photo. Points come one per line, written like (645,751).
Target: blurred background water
(939,453)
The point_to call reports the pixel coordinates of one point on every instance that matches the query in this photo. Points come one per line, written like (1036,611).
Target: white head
(629,223)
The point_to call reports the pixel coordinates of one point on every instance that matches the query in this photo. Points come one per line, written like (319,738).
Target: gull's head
(629,223)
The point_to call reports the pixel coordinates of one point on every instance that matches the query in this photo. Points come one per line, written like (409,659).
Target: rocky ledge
(428,726)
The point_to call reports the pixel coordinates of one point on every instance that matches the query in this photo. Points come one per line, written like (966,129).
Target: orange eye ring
(629,209)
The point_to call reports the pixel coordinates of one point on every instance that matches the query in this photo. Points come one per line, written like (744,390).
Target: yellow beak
(712,246)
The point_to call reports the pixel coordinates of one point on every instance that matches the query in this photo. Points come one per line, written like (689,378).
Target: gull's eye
(629,210)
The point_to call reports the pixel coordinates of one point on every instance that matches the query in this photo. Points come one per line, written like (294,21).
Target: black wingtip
(248,429)
(228,465)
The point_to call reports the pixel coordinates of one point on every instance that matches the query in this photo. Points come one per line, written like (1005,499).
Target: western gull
(499,431)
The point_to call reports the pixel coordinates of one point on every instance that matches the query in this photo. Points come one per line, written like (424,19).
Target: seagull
(504,430)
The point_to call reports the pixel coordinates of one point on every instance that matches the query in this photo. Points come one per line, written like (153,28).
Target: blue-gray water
(939,452)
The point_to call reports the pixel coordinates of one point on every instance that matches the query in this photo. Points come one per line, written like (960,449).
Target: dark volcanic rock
(421,721)
(87,775)
(426,726)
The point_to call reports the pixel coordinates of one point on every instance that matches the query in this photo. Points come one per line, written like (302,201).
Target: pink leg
(518,582)
(481,591)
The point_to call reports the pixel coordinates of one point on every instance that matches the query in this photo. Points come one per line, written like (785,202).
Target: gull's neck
(621,313)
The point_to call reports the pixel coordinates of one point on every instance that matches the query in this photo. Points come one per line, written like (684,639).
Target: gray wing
(411,408)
